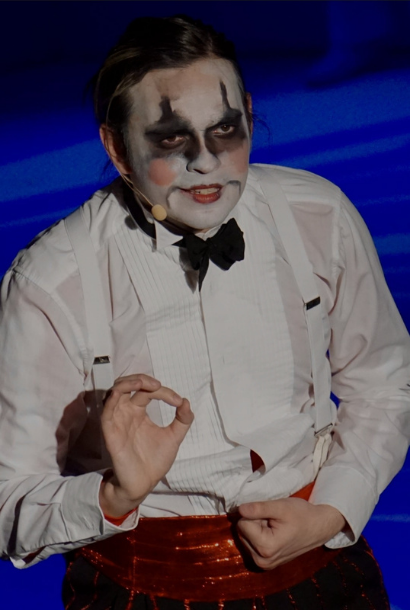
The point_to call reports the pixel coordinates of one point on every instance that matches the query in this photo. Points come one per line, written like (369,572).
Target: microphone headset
(158,211)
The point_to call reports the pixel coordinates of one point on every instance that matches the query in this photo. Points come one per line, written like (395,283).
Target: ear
(115,149)
(249,108)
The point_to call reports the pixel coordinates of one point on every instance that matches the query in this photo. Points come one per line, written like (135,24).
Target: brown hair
(152,43)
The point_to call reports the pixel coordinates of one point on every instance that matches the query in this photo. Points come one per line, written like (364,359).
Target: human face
(188,142)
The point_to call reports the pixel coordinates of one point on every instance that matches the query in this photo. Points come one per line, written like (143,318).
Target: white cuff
(129,523)
(82,514)
(350,493)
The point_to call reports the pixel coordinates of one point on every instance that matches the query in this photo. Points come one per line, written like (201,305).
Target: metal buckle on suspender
(101,378)
(312,303)
(324,435)
(324,431)
(323,440)
(101,360)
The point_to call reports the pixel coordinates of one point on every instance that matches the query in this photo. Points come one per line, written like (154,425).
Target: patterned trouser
(351,581)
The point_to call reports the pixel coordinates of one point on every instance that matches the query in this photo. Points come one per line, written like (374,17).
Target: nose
(204,161)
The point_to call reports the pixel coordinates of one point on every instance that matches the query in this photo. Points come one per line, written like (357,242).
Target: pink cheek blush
(160,173)
(239,159)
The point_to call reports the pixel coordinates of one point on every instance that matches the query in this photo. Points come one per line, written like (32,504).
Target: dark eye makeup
(174,140)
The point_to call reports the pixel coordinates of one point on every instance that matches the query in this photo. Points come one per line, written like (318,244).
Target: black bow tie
(225,248)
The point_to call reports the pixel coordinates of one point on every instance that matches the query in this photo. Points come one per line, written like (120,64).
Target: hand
(277,531)
(141,452)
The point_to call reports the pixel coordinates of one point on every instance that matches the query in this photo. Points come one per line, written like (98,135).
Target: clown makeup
(188,142)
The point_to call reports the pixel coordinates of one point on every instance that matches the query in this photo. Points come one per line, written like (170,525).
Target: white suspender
(96,315)
(98,328)
(303,272)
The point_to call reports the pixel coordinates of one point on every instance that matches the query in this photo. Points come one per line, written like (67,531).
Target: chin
(204,222)
(205,219)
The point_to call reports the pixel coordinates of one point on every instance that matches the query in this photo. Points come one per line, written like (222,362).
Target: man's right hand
(141,452)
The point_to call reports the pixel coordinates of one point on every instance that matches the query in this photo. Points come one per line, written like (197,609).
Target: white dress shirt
(238,350)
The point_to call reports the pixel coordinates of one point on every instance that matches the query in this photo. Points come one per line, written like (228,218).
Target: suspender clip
(101,360)
(323,440)
(324,431)
(312,303)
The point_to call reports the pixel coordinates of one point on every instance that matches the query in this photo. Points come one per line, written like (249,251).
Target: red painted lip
(208,198)
(203,186)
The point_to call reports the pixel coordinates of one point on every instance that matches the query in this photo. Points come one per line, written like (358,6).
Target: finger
(142,398)
(254,535)
(268,546)
(147,382)
(184,414)
(260,561)
(116,394)
(271,509)
(129,384)
(125,386)
(182,421)
(263,550)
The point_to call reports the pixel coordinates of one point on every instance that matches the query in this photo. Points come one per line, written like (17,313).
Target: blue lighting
(355,133)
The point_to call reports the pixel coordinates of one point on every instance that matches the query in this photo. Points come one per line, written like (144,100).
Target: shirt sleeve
(42,512)
(369,355)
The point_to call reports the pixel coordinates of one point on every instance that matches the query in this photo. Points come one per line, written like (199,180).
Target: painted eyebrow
(230,114)
(179,125)
(163,128)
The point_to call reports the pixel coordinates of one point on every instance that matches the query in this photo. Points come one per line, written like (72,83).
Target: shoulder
(49,259)
(317,206)
(300,186)
(316,203)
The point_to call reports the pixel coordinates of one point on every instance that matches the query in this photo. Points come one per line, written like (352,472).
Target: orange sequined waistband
(197,558)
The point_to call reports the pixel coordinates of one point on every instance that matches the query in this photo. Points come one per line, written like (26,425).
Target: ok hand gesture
(141,452)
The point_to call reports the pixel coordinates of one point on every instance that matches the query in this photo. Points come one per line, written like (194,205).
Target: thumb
(182,421)
(272,509)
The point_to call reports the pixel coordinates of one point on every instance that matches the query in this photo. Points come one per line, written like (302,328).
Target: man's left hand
(277,531)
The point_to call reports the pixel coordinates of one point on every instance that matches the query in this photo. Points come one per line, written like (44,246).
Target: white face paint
(189,141)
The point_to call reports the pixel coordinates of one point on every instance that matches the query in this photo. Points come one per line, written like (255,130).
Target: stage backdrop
(331,89)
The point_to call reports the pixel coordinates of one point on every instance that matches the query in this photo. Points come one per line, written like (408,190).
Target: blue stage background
(355,132)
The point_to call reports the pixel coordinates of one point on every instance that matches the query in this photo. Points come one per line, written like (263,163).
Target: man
(223,325)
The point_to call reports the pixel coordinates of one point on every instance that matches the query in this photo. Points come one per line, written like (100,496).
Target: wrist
(114,501)
(332,520)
